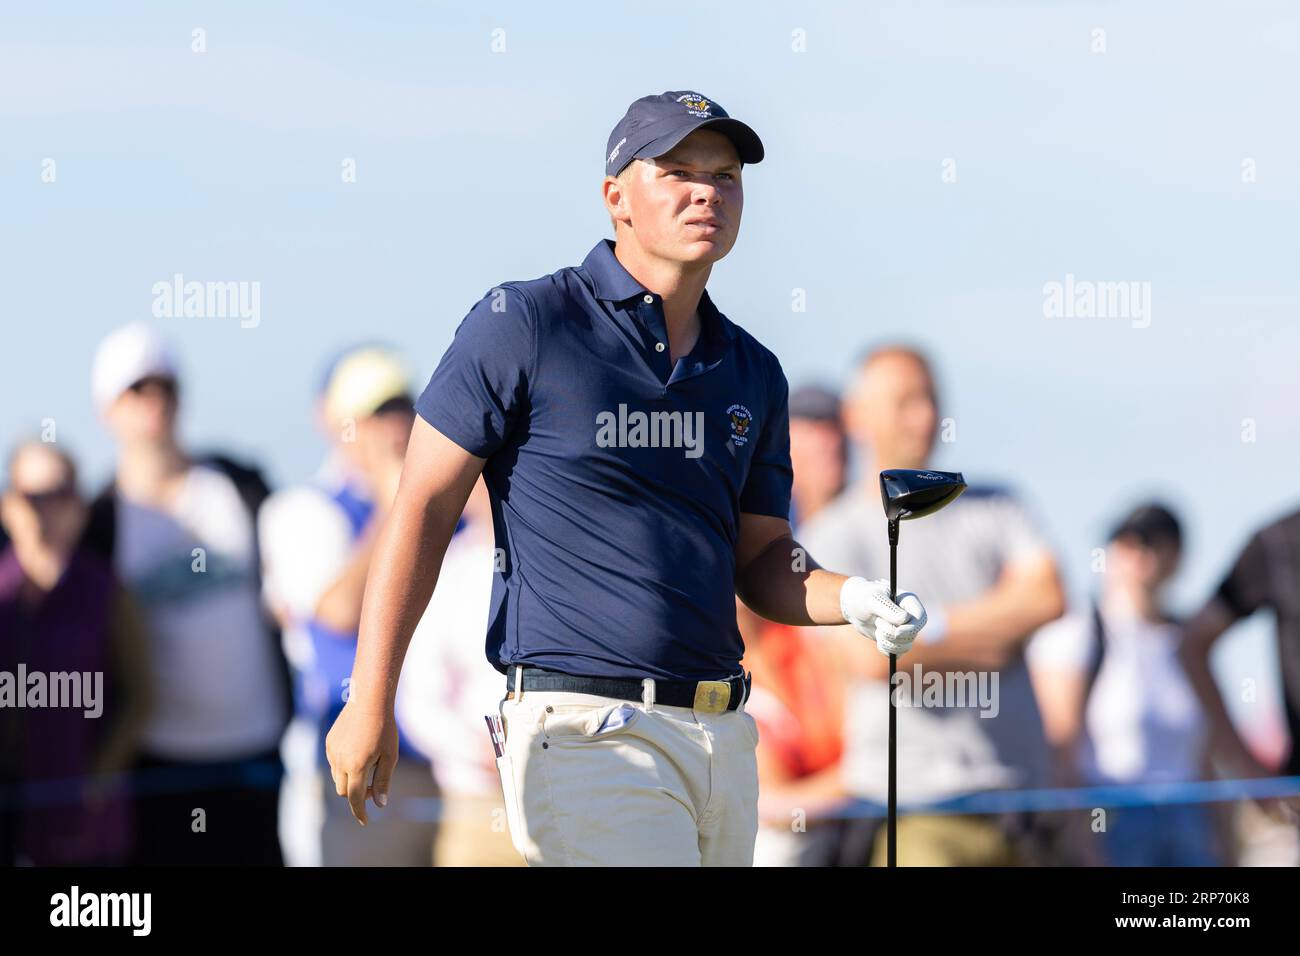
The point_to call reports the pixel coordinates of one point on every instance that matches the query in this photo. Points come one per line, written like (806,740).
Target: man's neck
(681,285)
(151,473)
(1128,600)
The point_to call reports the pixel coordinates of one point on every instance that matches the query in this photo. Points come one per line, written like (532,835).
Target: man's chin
(703,251)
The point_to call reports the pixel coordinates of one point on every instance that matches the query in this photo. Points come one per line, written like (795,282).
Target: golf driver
(907,494)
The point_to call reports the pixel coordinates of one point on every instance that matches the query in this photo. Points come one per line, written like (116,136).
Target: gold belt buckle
(712,696)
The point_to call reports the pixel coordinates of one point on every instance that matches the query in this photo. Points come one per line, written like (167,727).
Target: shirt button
(659,346)
(647,298)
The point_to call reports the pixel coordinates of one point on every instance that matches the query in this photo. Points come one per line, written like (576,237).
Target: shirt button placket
(660,346)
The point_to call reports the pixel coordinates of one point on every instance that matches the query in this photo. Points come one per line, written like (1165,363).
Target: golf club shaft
(891,834)
(907,493)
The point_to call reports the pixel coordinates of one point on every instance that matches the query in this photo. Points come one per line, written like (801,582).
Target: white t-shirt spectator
(306,541)
(217,692)
(1142,721)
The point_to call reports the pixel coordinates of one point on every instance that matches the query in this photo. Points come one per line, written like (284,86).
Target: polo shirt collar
(613,283)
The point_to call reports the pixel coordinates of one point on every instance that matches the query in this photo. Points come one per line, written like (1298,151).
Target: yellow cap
(363,381)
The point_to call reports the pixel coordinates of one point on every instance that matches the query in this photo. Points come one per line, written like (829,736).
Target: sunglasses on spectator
(42,499)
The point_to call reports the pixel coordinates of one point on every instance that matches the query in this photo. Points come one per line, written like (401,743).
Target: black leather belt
(709,696)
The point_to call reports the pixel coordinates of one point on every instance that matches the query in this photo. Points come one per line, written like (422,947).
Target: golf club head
(908,493)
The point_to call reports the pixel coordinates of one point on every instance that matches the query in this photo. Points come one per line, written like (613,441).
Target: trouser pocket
(588,721)
(510,793)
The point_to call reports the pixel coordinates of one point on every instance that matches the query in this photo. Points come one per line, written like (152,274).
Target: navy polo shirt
(617,478)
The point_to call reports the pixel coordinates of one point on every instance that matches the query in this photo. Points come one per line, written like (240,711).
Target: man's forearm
(339,607)
(1222,732)
(1224,738)
(784,584)
(408,556)
(987,631)
(1194,654)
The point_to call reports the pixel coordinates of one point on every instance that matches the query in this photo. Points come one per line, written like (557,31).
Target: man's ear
(623,180)
(620,203)
(610,182)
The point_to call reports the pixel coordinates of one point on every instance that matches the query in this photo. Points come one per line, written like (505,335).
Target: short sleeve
(1063,645)
(1245,589)
(306,543)
(767,487)
(1017,536)
(831,541)
(479,390)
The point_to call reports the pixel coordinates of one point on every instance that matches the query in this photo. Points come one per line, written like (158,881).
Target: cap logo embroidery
(695,104)
(614,155)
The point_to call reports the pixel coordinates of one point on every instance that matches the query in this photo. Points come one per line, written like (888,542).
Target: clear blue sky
(475,166)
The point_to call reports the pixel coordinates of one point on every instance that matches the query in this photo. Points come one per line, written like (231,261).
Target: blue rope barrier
(265,775)
(1108,796)
(426,809)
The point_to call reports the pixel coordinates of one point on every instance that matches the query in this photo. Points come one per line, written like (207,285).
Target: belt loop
(519,681)
(648,694)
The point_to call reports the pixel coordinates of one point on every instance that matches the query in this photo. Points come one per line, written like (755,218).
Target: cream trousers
(599,781)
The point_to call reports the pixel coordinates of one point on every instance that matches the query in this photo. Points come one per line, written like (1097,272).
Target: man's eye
(726,175)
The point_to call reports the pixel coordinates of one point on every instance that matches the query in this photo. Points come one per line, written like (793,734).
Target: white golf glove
(893,626)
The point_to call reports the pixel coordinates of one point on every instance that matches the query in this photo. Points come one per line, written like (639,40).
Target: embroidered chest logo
(740,420)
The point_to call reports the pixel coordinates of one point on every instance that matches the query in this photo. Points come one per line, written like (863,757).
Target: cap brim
(748,146)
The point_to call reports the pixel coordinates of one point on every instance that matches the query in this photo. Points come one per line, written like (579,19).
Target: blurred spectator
(317,543)
(1117,704)
(63,796)
(448,687)
(989,581)
(799,681)
(180,533)
(797,700)
(818,451)
(1265,576)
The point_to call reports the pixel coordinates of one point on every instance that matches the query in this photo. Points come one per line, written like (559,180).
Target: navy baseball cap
(655,124)
(1152,524)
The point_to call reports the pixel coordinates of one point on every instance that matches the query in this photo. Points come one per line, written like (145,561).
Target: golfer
(635,446)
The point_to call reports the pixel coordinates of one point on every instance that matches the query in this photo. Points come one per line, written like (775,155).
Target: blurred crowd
(222,618)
